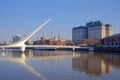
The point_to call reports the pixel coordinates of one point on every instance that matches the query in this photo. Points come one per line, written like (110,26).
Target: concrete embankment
(101,49)
(67,49)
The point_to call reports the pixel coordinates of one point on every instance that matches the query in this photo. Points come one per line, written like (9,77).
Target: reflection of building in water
(113,58)
(79,63)
(97,65)
(91,65)
(53,57)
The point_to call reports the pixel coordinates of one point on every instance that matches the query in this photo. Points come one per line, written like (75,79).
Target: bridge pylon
(21,44)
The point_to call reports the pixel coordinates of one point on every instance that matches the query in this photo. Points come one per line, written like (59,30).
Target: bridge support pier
(22,49)
(3,49)
(73,49)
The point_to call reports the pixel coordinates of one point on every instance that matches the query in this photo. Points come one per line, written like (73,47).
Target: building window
(107,43)
(112,43)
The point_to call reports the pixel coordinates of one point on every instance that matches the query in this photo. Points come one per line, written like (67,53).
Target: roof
(115,35)
(80,27)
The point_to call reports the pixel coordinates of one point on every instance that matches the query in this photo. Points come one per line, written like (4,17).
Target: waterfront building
(16,38)
(79,33)
(45,41)
(112,41)
(90,42)
(95,30)
(109,30)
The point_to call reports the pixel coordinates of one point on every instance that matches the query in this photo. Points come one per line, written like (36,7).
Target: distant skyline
(23,16)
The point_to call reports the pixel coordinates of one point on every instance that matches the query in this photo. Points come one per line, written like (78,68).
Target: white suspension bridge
(21,44)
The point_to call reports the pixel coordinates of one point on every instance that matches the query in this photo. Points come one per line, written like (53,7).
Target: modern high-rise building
(79,33)
(94,30)
(16,38)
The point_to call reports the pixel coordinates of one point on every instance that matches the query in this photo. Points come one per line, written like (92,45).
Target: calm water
(59,65)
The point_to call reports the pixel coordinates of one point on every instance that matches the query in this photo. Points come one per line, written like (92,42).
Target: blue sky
(23,16)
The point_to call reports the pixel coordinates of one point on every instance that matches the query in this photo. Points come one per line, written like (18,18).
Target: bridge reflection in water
(20,58)
(92,64)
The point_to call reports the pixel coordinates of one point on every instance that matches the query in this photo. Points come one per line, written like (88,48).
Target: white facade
(109,30)
(93,30)
(96,30)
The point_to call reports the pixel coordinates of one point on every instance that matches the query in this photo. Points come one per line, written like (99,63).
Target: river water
(59,65)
